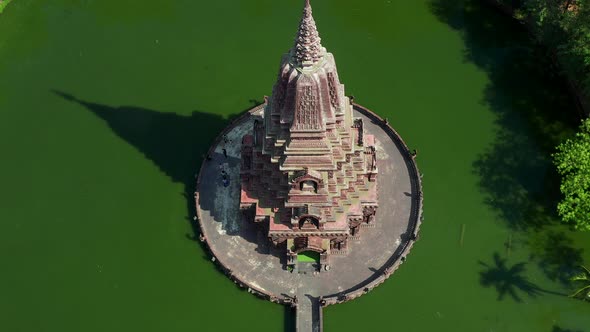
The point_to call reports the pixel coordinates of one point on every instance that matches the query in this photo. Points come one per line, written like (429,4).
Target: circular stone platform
(243,251)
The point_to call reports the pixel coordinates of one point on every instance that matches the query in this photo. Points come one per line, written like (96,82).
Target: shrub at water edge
(573,165)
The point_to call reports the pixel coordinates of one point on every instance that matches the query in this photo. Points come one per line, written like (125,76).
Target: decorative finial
(308,49)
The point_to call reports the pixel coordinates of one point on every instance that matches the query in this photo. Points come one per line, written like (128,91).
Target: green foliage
(564,25)
(573,164)
(584,291)
(519,14)
(575,49)
(3,4)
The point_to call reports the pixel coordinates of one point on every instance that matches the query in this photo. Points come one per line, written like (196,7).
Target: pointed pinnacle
(307,49)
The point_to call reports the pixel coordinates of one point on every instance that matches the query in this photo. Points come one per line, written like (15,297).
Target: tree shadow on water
(509,280)
(532,107)
(174,143)
(556,256)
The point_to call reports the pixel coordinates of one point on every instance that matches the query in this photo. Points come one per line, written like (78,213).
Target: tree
(564,26)
(573,164)
(584,291)
(575,49)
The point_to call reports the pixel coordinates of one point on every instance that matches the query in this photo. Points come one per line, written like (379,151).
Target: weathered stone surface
(308,170)
(307,49)
(242,246)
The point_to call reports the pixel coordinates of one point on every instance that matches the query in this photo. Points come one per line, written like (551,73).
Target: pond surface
(107,106)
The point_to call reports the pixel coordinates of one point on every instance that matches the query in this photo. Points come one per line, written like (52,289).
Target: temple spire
(307,49)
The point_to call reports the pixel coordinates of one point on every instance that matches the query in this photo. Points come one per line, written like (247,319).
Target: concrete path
(308,313)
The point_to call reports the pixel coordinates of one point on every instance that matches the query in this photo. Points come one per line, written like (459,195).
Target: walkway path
(308,312)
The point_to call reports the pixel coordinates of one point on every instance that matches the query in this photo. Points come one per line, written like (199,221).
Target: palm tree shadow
(174,143)
(509,280)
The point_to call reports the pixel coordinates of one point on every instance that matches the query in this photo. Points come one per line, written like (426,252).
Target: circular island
(309,199)
(243,252)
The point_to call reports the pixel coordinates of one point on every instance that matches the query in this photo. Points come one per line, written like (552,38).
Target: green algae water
(107,106)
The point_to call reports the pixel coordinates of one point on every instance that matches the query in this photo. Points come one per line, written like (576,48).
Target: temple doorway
(308,256)
(308,261)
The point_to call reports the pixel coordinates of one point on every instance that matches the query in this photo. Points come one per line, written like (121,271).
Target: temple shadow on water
(300,170)
(175,143)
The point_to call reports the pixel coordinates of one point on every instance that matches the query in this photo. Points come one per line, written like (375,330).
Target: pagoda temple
(309,171)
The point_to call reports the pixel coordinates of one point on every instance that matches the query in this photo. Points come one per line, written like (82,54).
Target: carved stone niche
(309,223)
(307,181)
(309,186)
(337,244)
(354,223)
(369,213)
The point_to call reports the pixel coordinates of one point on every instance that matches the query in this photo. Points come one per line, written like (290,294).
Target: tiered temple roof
(309,169)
